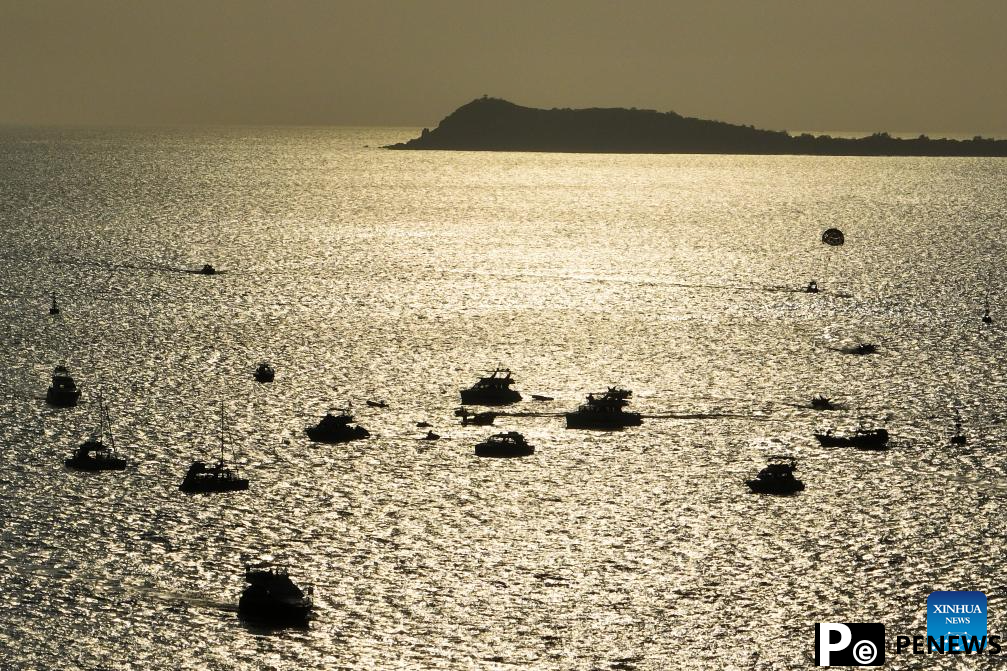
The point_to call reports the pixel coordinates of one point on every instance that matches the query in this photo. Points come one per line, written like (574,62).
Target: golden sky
(935,66)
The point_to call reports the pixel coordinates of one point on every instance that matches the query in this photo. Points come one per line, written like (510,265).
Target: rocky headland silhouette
(493,124)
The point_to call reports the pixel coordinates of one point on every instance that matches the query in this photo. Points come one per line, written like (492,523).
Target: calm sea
(365,274)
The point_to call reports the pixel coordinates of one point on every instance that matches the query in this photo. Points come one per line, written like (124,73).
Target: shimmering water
(369,274)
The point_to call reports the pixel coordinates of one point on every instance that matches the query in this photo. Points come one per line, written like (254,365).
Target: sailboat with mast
(98,453)
(219,477)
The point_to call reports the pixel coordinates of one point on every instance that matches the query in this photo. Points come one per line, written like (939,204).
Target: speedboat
(492,390)
(477,418)
(862,439)
(336,429)
(820,402)
(272,598)
(510,444)
(604,411)
(264,372)
(777,477)
(219,477)
(63,391)
(95,454)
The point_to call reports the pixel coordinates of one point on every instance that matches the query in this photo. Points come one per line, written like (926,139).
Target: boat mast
(221,432)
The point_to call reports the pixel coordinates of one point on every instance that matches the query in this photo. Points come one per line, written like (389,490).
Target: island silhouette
(493,124)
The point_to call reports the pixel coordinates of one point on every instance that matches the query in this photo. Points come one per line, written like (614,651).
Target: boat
(864,348)
(336,429)
(958,438)
(777,477)
(272,598)
(476,418)
(604,411)
(494,389)
(264,372)
(862,438)
(63,391)
(54,308)
(987,319)
(510,444)
(207,269)
(218,477)
(812,287)
(377,404)
(97,454)
(820,402)
(540,397)
(431,436)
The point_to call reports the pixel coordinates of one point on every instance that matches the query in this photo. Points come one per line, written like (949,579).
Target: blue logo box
(958,614)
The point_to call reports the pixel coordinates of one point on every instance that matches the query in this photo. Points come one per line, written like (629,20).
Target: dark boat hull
(782,488)
(273,612)
(207,486)
(489,397)
(498,452)
(862,443)
(94,465)
(343,435)
(602,422)
(264,377)
(62,399)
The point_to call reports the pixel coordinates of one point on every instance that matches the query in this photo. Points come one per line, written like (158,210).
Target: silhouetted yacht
(492,390)
(264,372)
(777,477)
(510,444)
(862,438)
(97,454)
(336,429)
(63,391)
(604,411)
(203,479)
(272,598)
(54,308)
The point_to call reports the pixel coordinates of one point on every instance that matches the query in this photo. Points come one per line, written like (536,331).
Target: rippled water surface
(369,274)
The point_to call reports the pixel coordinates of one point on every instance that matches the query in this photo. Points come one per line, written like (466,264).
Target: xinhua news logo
(954,619)
(849,644)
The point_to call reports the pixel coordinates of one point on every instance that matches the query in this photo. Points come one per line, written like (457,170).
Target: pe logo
(849,644)
(953,618)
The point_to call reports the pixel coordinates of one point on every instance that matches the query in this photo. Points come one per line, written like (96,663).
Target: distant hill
(492,124)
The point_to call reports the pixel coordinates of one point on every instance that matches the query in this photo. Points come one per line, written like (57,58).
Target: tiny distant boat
(540,397)
(812,287)
(958,438)
(264,372)
(63,391)
(777,478)
(423,425)
(862,439)
(987,319)
(863,348)
(431,436)
(377,404)
(97,454)
(336,429)
(604,411)
(820,402)
(54,308)
(272,598)
(492,390)
(207,269)
(503,445)
(476,419)
(219,477)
